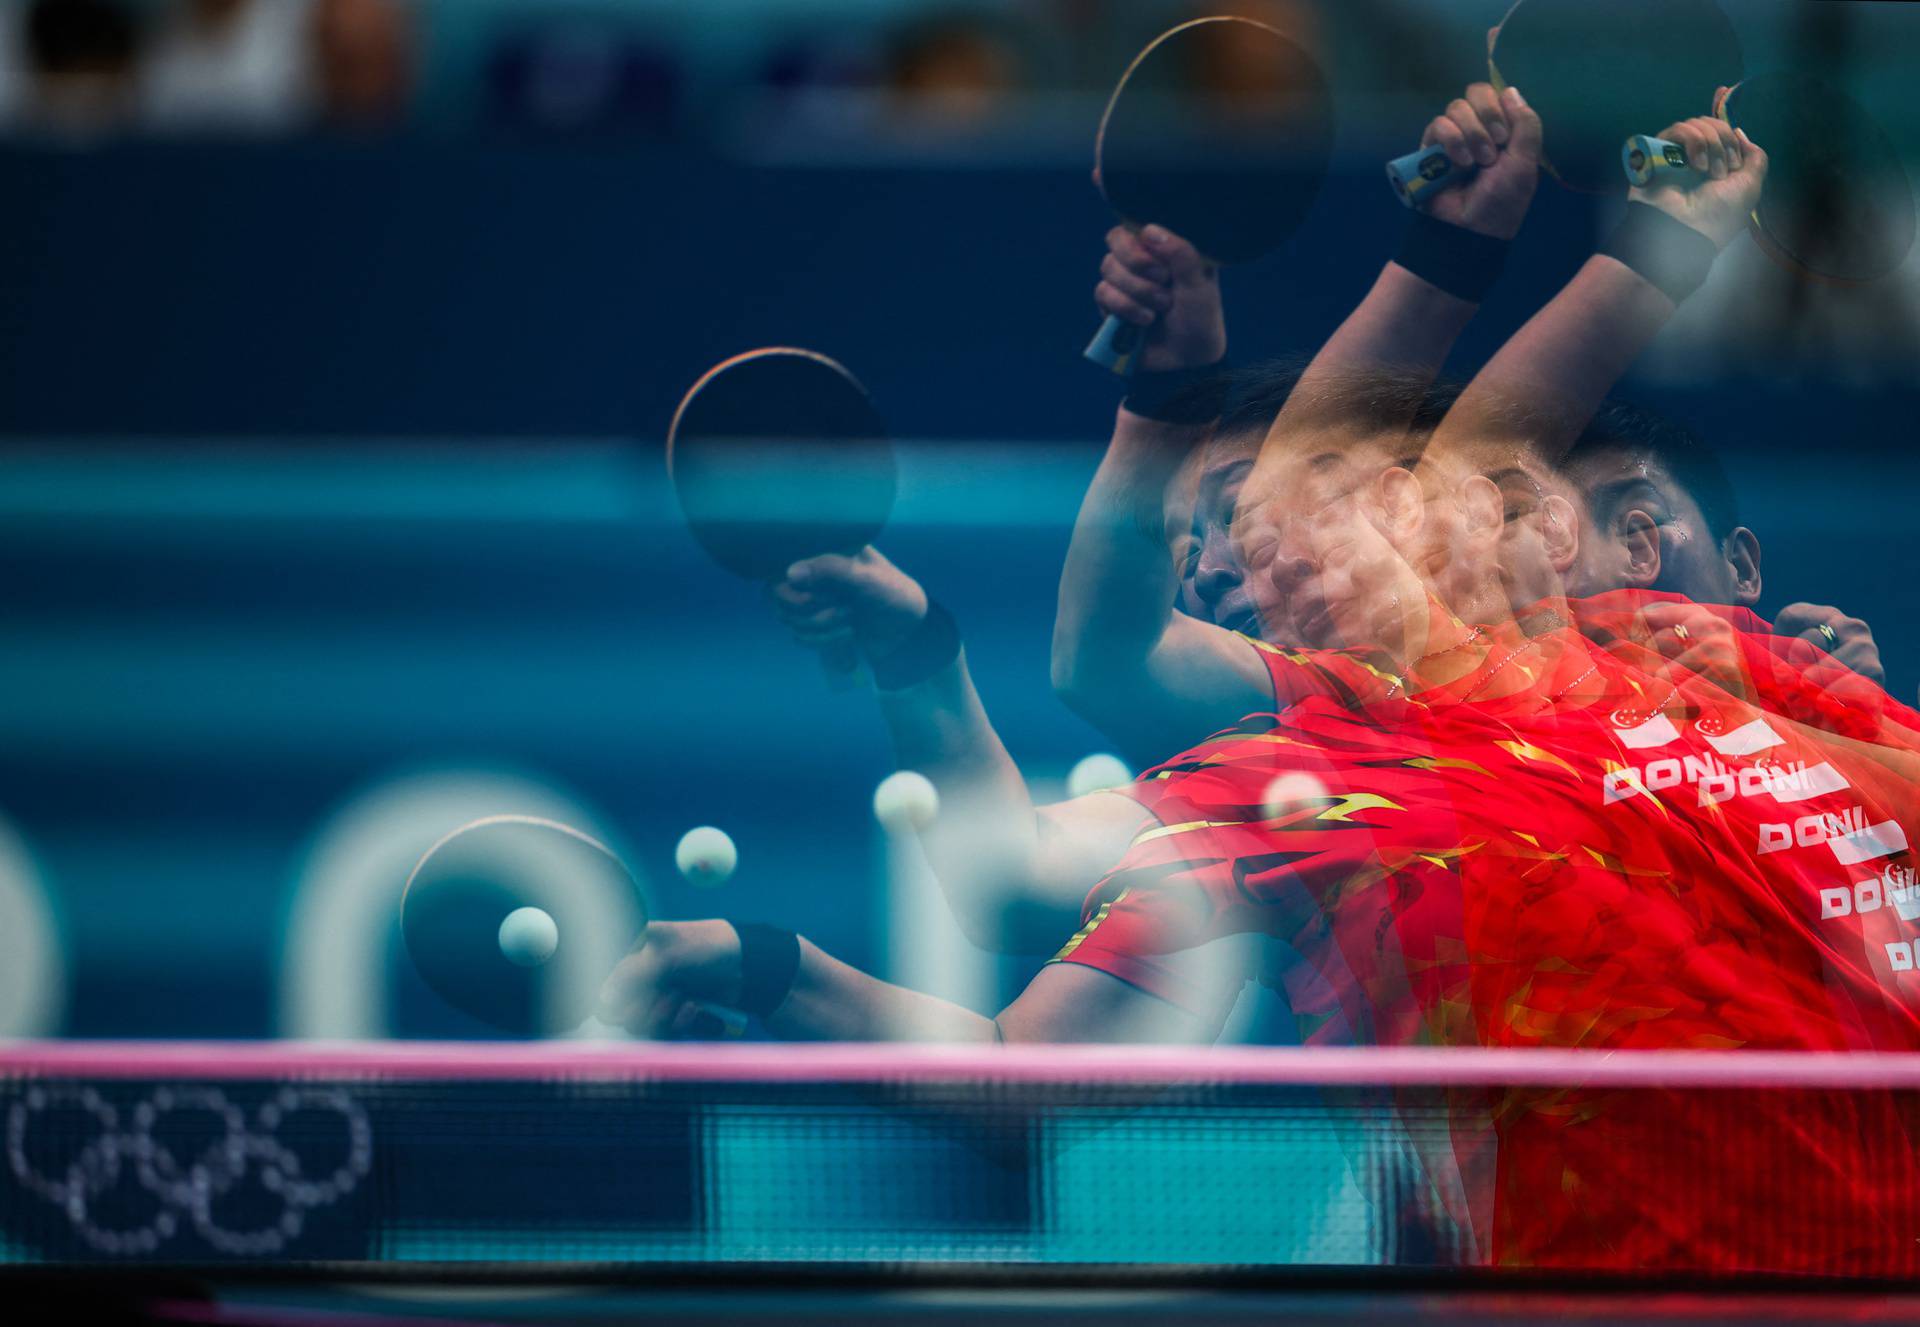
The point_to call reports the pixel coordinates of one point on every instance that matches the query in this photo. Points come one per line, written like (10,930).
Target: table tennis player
(1596,888)
(1121,659)
(1410,871)
(1360,616)
(948,737)
(1564,360)
(1651,477)
(1158,282)
(1013,866)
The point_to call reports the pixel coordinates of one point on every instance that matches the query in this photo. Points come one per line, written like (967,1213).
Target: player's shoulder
(1354,676)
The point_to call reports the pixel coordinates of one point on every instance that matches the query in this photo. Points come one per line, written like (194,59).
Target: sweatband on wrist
(1669,253)
(933,645)
(769,961)
(1180,396)
(1461,262)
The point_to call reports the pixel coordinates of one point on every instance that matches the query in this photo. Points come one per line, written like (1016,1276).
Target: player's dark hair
(81,36)
(1636,430)
(1256,393)
(1365,401)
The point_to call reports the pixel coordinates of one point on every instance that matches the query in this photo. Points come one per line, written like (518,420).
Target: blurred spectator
(365,57)
(75,70)
(583,77)
(230,64)
(821,62)
(959,70)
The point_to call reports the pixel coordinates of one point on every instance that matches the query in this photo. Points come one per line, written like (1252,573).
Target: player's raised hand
(661,989)
(864,598)
(1498,133)
(1848,639)
(1730,171)
(1154,279)
(1701,643)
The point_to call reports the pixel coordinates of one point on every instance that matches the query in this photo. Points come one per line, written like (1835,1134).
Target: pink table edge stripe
(814,1063)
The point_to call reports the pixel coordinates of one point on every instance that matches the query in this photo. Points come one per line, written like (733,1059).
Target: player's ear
(1560,533)
(1483,508)
(1742,551)
(1403,504)
(1640,544)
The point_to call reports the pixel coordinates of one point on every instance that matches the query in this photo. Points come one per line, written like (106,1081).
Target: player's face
(1470,555)
(1540,521)
(1618,482)
(1213,583)
(1310,536)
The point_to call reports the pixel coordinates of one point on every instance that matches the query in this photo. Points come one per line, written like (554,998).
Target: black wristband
(1180,396)
(769,961)
(1459,261)
(934,644)
(1669,253)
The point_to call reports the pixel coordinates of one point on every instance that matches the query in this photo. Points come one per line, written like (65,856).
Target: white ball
(905,800)
(528,937)
(706,856)
(1290,792)
(1097,774)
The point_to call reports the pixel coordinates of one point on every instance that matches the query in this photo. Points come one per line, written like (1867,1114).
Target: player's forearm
(984,846)
(833,1001)
(940,728)
(1117,587)
(1403,322)
(1557,369)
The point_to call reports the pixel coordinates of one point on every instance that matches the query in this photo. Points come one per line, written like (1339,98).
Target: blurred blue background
(336,357)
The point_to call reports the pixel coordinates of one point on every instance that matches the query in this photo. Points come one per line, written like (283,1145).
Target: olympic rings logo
(186,1189)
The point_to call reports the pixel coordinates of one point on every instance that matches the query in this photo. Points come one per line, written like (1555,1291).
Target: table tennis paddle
(1218,131)
(778,455)
(1594,73)
(1838,202)
(459,894)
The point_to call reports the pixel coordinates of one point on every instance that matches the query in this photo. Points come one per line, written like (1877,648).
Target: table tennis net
(858,1157)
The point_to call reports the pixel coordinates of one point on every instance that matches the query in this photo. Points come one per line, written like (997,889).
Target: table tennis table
(598,1181)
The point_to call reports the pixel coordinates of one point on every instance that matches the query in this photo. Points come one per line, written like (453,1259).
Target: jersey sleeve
(1325,832)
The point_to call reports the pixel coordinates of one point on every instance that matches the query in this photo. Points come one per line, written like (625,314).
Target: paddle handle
(1647,159)
(1417,176)
(1116,346)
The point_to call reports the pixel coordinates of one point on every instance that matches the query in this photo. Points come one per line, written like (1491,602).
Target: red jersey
(1572,847)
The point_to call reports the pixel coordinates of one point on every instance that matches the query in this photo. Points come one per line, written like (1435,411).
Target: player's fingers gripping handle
(1149,287)
(1182,262)
(827,576)
(1525,131)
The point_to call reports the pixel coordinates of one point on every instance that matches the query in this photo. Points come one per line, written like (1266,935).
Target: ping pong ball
(905,800)
(528,937)
(706,856)
(1290,792)
(1097,774)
